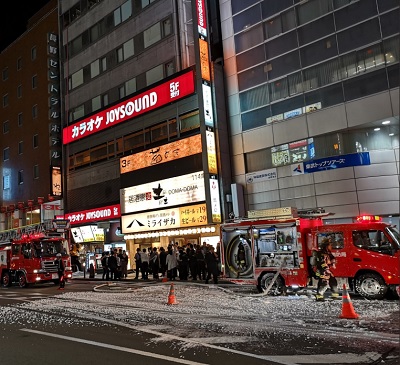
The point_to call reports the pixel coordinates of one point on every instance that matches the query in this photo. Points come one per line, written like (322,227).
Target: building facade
(141,126)
(30,138)
(313,100)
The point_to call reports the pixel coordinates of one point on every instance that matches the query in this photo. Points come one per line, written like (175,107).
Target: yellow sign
(204,60)
(211,153)
(273,213)
(194,215)
(158,155)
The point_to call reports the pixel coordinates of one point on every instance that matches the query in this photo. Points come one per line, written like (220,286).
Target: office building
(313,100)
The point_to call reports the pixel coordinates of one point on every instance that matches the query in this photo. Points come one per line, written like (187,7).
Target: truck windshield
(394,233)
(46,248)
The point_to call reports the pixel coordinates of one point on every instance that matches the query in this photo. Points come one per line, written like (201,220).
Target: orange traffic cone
(347,306)
(171,296)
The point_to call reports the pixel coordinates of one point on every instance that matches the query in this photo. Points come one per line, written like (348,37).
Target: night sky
(14,20)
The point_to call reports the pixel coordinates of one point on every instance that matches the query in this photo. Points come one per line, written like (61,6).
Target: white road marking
(113,347)
(345,358)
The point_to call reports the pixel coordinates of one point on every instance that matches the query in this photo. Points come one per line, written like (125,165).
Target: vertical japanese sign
(54,113)
(208,112)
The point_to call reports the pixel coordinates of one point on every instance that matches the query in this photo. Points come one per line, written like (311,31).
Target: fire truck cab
(275,253)
(28,254)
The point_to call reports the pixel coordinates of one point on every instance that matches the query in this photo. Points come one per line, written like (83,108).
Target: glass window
(126,10)
(273,27)
(249,38)
(318,51)
(322,74)
(36,171)
(253,77)
(95,68)
(247,18)
(94,33)
(76,45)
(269,8)
(387,4)
(34,81)
(6,182)
(254,98)
(283,44)
(316,30)
(105,100)
(372,240)
(77,79)
(278,89)
(130,86)
(189,121)
(327,96)
(36,141)
(104,64)
(167,27)
(154,75)
(152,35)
(19,91)
(20,147)
(128,49)
(33,53)
(120,54)
(355,13)
(19,63)
(96,103)
(6,126)
(5,100)
(169,68)
(392,47)
(20,177)
(79,112)
(34,111)
(287,105)
(117,16)
(313,9)
(6,153)
(288,20)
(393,76)
(295,83)
(20,120)
(5,74)
(283,65)
(255,118)
(121,91)
(359,35)
(390,23)
(240,5)
(250,58)
(365,85)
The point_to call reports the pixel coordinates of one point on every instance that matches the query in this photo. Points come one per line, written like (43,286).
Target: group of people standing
(192,261)
(115,264)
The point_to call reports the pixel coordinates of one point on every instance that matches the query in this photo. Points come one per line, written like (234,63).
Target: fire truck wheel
(371,286)
(6,280)
(276,289)
(22,280)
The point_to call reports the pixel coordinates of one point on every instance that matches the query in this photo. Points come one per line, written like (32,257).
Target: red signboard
(201,18)
(163,94)
(95,215)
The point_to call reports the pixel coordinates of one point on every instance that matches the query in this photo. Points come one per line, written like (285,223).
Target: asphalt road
(105,338)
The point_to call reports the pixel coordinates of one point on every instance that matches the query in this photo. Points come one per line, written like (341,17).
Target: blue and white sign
(337,162)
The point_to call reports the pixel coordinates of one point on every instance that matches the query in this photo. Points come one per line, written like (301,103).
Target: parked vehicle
(28,254)
(276,253)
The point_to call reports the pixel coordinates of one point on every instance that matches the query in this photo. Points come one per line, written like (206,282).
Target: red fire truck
(273,249)
(28,254)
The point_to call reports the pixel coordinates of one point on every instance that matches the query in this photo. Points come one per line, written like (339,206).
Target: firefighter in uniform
(60,271)
(325,261)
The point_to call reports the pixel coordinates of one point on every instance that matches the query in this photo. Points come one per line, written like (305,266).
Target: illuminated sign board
(201,18)
(56,187)
(171,192)
(208,108)
(211,153)
(215,201)
(204,60)
(163,94)
(87,234)
(165,153)
(263,175)
(94,215)
(182,217)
